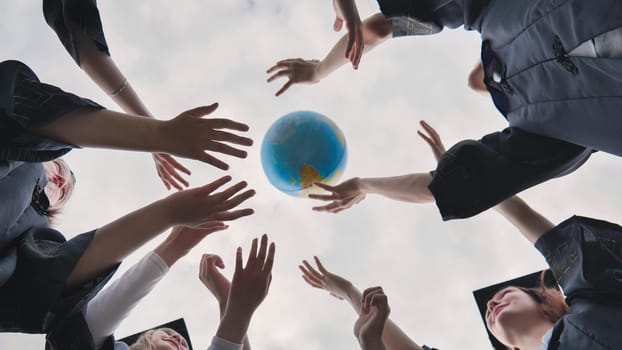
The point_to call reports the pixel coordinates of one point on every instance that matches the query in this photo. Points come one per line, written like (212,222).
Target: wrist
(169,253)
(364,185)
(233,326)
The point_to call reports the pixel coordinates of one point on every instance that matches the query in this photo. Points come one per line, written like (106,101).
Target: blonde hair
(144,341)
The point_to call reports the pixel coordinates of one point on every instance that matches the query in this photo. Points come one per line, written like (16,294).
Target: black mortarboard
(532,280)
(179,325)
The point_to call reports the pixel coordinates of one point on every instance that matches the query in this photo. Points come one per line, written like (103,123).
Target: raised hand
(215,282)
(200,206)
(343,195)
(433,139)
(191,136)
(336,285)
(296,70)
(182,239)
(250,283)
(370,324)
(346,11)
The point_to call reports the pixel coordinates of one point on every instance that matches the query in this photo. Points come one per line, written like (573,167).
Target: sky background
(197,52)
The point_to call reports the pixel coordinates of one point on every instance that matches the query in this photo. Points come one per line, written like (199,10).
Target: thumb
(338,24)
(202,111)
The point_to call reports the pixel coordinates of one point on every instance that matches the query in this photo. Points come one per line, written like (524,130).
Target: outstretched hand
(336,285)
(343,195)
(199,206)
(346,11)
(296,70)
(433,139)
(374,313)
(190,135)
(215,282)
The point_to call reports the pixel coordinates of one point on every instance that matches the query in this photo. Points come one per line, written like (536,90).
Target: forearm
(233,327)
(113,242)
(102,69)
(528,221)
(376,29)
(408,188)
(105,129)
(222,308)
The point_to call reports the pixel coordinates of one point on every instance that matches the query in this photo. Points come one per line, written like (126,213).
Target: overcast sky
(196,52)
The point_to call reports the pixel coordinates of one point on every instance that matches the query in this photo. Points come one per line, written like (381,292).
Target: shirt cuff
(154,259)
(405,26)
(222,344)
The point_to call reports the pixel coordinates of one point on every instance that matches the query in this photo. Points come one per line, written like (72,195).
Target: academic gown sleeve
(474,176)
(420,17)
(67,16)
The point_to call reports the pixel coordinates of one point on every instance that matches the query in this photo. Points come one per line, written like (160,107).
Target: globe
(302,148)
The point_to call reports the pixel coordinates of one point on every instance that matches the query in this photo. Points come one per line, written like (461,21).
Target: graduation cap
(532,280)
(179,325)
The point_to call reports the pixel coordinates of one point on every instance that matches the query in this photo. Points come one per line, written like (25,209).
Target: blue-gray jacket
(560,108)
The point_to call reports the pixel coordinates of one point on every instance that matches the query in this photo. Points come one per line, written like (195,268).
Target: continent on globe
(302,148)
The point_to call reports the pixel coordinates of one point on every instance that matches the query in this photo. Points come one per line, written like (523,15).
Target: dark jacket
(560,108)
(585,256)
(35,260)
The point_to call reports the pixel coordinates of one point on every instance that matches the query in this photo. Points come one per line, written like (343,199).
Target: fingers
(270,258)
(233,214)
(324,197)
(209,159)
(325,186)
(171,171)
(312,272)
(285,72)
(428,140)
(284,87)
(226,149)
(263,249)
(252,255)
(174,163)
(311,282)
(202,111)
(331,208)
(214,185)
(320,266)
(366,299)
(238,261)
(430,130)
(221,123)
(218,135)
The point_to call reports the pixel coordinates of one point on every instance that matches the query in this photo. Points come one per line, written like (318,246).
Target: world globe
(302,148)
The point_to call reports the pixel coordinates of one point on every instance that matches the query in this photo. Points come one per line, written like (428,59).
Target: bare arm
(187,135)
(392,336)
(102,69)
(376,29)
(528,221)
(200,207)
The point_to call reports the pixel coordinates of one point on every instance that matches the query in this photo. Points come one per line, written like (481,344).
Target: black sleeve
(66,16)
(474,176)
(585,256)
(27,104)
(437,14)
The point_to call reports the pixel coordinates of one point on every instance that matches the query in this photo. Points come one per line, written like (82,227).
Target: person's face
(60,181)
(511,310)
(168,339)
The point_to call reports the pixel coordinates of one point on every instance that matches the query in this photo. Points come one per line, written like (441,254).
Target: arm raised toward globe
(407,188)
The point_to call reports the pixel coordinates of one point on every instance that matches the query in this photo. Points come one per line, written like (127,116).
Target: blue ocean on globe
(302,148)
